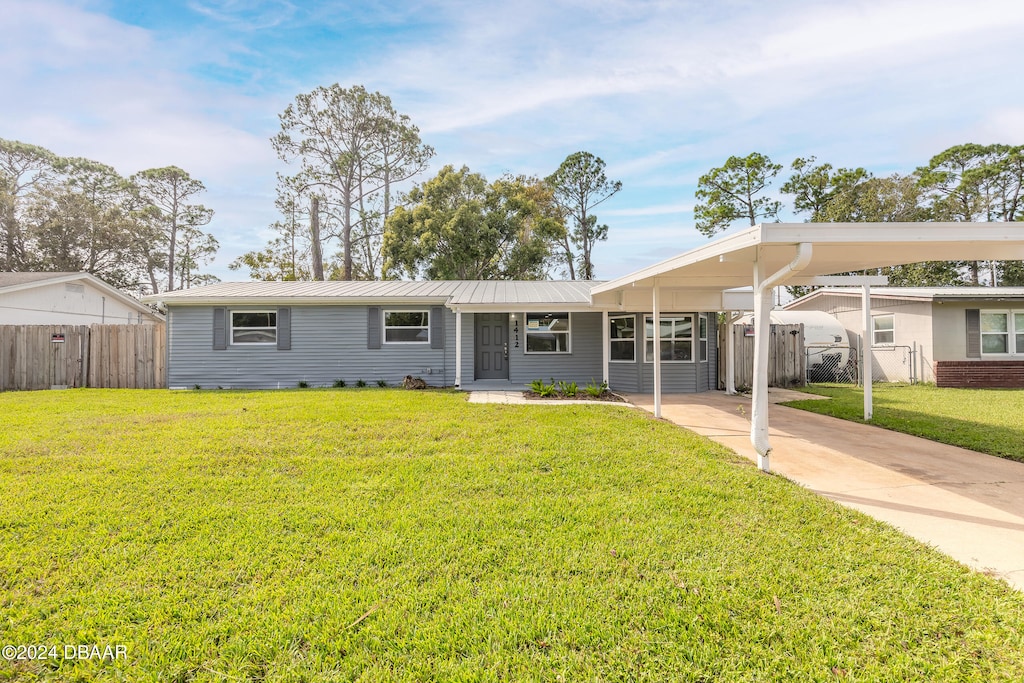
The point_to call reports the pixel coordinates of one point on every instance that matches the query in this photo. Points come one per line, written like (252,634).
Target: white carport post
(656,314)
(458,347)
(763,285)
(867,356)
(730,352)
(606,346)
(759,400)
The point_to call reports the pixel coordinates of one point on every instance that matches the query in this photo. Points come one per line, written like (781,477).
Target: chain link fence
(893,364)
(832,364)
(835,364)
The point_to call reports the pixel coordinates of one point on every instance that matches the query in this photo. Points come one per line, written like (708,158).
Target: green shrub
(568,389)
(538,387)
(303,385)
(360,383)
(594,389)
(339,384)
(382,384)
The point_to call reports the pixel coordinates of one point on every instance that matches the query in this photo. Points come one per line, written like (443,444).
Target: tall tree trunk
(346,238)
(314,229)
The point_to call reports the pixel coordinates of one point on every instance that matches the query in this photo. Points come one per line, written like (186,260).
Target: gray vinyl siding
(676,378)
(328,343)
(581,365)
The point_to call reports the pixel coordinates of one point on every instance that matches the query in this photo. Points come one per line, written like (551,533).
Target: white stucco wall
(912,325)
(66,303)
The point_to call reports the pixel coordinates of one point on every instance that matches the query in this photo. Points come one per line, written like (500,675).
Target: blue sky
(661,90)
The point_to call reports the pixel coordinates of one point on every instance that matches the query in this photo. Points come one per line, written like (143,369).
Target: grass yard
(985,420)
(388,535)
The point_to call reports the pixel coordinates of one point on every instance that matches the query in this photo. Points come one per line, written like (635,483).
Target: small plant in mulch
(568,389)
(303,385)
(339,384)
(538,388)
(361,383)
(382,383)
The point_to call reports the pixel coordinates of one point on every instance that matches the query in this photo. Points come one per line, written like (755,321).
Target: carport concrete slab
(968,505)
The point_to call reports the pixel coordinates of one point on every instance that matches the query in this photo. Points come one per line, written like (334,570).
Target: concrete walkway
(966,504)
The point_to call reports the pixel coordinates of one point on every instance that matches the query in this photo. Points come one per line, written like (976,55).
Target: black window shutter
(437,327)
(220,329)
(373,327)
(284,329)
(973,333)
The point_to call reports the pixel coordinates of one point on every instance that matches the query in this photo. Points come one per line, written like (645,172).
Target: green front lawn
(377,535)
(985,420)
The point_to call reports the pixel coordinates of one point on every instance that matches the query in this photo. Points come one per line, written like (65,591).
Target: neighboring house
(67,299)
(450,333)
(963,336)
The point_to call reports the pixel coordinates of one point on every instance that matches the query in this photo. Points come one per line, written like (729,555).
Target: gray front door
(491,346)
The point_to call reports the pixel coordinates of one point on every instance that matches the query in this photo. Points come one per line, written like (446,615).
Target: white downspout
(458,348)
(606,346)
(763,286)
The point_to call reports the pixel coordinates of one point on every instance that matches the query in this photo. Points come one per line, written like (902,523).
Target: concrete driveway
(967,504)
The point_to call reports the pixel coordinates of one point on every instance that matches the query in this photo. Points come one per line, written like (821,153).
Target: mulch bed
(581,396)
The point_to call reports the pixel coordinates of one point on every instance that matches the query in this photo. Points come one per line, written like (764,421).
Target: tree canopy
(963,183)
(731,192)
(579,185)
(352,148)
(74,214)
(457,226)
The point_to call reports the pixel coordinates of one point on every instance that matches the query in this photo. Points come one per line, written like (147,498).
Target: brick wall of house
(980,373)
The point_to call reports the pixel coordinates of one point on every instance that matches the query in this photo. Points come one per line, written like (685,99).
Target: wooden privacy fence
(786,358)
(109,356)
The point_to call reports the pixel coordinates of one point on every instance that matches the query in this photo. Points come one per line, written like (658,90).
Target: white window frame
(527,333)
(621,340)
(875,330)
(248,343)
(385,327)
(703,325)
(657,345)
(1012,348)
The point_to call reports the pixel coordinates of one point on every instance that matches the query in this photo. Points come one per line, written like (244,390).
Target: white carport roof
(727,263)
(768,255)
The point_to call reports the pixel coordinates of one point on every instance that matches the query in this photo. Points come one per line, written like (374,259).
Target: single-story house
(450,333)
(961,336)
(649,330)
(67,299)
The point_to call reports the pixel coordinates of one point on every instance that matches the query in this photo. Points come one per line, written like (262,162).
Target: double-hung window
(547,333)
(622,338)
(406,327)
(702,336)
(253,327)
(883,330)
(675,338)
(1002,332)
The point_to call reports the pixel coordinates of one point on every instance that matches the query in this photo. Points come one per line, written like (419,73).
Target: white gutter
(763,286)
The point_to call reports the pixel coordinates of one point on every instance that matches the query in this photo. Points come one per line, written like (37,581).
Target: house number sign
(515,333)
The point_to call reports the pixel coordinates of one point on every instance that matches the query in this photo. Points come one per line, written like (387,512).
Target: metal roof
(454,293)
(921,293)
